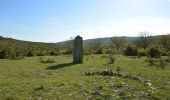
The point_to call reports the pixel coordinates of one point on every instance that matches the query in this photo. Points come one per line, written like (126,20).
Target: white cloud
(106,28)
(126,27)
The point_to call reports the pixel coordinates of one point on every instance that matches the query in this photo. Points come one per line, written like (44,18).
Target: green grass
(30,79)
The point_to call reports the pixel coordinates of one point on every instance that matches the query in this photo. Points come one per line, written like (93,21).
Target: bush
(130,50)
(162,63)
(151,61)
(66,52)
(164,52)
(158,62)
(99,51)
(54,53)
(8,53)
(17,58)
(118,69)
(46,60)
(40,87)
(104,56)
(31,54)
(112,58)
(154,52)
(167,59)
(142,52)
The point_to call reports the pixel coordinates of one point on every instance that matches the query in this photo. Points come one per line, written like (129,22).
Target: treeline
(144,45)
(16,49)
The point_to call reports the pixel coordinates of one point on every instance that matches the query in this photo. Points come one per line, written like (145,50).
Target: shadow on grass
(60,66)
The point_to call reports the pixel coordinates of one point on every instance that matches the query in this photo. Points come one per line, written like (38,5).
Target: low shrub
(141,52)
(40,87)
(7,53)
(167,59)
(130,50)
(98,51)
(65,52)
(118,69)
(151,61)
(18,58)
(54,53)
(158,62)
(104,56)
(47,60)
(154,52)
(31,54)
(162,63)
(40,54)
(112,58)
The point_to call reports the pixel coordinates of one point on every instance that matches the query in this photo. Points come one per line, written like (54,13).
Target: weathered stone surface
(78,50)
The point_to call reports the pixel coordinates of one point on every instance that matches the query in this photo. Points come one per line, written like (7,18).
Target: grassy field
(32,80)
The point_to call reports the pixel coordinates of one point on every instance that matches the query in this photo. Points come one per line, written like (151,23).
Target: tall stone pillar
(78,50)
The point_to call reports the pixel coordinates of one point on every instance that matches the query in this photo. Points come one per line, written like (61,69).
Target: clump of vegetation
(130,50)
(7,53)
(40,87)
(118,69)
(47,60)
(112,58)
(117,43)
(31,54)
(167,59)
(154,52)
(41,54)
(141,52)
(164,41)
(151,61)
(162,62)
(10,53)
(95,47)
(104,56)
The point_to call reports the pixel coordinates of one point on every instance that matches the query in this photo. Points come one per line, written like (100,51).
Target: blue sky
(58,20)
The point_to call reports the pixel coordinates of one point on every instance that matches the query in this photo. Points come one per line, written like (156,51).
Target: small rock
(96,92)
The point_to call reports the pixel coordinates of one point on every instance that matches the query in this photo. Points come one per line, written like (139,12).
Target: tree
(8,53)
(69,45)
(164,41)
(95,46)
(117,43)
(144,39)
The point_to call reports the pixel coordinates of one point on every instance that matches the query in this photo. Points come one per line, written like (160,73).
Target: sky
(58,20)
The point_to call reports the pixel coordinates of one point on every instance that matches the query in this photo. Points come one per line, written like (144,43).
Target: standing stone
(78,50)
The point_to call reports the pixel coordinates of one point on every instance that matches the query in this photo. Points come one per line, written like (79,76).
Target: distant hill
(105,40)
(26,46)
(4,42)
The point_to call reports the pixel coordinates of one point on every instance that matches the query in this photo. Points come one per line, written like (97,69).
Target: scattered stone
(96,92)
(136,78)
(106,72)
(148,84)
(124,75)
(143,94)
